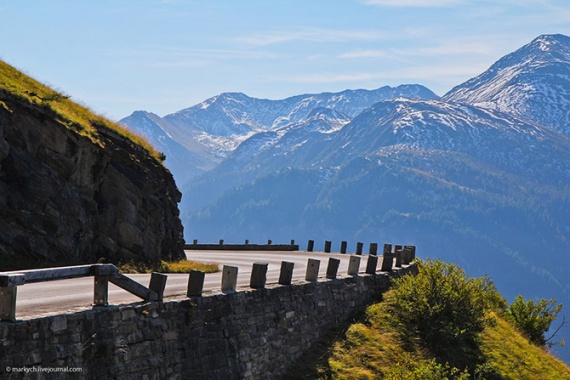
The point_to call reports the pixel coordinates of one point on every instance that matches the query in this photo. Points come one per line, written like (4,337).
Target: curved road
(55,297)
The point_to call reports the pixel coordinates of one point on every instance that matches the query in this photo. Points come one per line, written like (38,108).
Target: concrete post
(343,245)
(387,262)
(373,249)
(310,246)
(221,241)
(229,278)
(8,303)
(353,266)
(332,268)
(327,246)
(371,264)
(158,284)
(101,290)
(286,274)
(359,246)
(258,275)
(312,270)
(195,283)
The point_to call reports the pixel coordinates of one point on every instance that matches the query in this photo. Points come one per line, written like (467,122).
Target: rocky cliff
(68,197)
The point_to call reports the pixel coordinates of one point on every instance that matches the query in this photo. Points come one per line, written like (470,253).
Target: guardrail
(247,246)
(103,274)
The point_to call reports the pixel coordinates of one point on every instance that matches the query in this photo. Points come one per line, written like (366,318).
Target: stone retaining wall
(249,334)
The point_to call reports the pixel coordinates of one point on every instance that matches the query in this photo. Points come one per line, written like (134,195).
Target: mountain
(211,130)
(480,177)
(533,83)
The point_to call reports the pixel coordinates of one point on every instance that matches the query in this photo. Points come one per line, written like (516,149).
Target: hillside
(439,324)
(75,187)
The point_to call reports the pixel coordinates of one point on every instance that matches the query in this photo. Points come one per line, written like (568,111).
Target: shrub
(443,307)
(533,318)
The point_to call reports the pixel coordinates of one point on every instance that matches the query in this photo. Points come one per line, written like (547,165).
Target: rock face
(66,199)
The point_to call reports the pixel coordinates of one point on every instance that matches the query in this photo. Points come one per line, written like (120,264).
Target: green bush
(443,307)
(533,318)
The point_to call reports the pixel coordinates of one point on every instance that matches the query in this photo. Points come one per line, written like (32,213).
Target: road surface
(54,297)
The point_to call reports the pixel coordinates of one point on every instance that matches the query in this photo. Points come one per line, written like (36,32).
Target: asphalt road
(56,297)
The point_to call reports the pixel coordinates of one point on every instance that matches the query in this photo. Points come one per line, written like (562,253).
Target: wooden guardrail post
(328,246)
(101,291)
(286,273)
(258,275)
(195,283)
(343,245)
(8,303)
(371,264)
(101,273)
(332,268)
(312,270)
(229,278)
(353,266)
(8,292)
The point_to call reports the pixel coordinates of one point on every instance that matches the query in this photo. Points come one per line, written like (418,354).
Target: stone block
(332,268)
(310,246)
(312,270)
(229,278)
(286,273)
(353,266)
(373,250)
(258,275)
(195,283)
(359,246)
(371,264)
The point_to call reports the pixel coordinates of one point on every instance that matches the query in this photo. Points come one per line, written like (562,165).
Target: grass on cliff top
(183,266)
(74,116)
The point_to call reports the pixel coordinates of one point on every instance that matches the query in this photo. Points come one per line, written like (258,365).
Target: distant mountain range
(480,177)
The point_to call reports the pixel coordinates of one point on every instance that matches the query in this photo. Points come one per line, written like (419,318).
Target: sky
(161,56)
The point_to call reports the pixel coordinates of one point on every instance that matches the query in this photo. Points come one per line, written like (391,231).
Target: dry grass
(183,266)
(80,119)
(372,349)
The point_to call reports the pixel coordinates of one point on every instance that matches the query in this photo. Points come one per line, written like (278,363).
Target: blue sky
(162,56)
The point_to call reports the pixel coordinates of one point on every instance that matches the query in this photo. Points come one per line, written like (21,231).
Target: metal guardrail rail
(102,273)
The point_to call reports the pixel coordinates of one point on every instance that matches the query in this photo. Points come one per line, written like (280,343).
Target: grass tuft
(183,266)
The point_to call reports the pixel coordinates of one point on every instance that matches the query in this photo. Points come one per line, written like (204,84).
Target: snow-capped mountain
(214,128)
(479,177)
(532,83)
